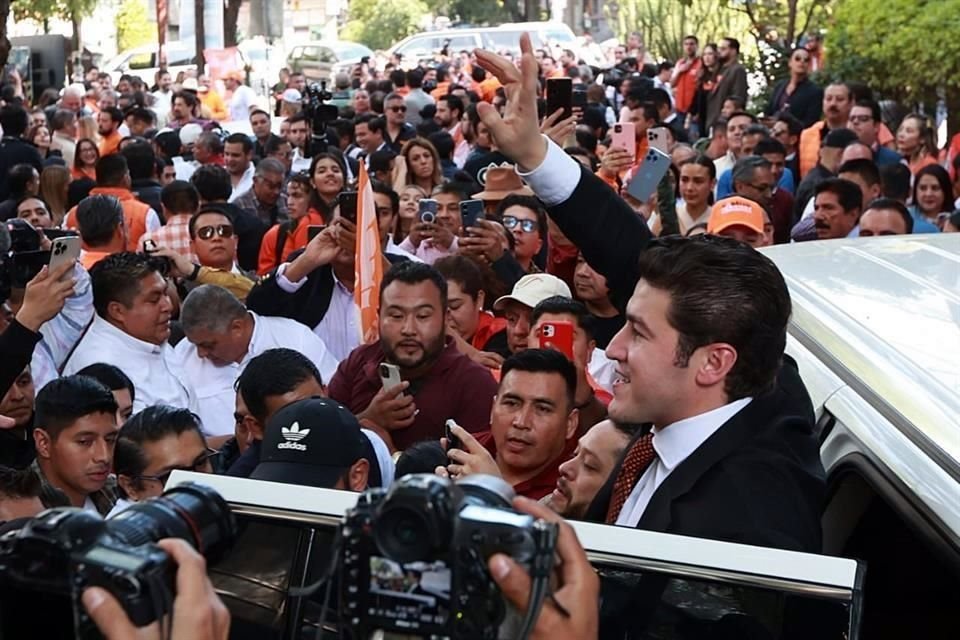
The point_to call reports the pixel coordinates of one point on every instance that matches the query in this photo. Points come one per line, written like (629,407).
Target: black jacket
(806,101)
(16,344)
(14,151)
(148,192)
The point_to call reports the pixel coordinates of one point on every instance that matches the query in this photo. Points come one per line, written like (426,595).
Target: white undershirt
(674,444)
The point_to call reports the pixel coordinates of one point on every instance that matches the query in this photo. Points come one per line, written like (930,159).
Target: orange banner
(368,265)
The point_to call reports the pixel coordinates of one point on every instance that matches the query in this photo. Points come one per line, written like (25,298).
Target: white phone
(389,375)
(65,250)
(657,138)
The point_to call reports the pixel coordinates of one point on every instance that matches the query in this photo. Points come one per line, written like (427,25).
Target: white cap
(533,289)
(189,133)
(291,95)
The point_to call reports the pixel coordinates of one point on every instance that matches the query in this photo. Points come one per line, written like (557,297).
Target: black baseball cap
(840,138)
(311,442)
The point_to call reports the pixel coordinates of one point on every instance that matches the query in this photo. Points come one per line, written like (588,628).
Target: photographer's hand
(470,458)
(578,590)
(45,296)
(198,613)
(181,265)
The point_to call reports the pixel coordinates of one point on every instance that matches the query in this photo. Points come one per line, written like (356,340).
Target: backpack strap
(282,232)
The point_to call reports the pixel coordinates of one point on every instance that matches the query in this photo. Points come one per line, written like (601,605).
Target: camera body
(414,557)
(46,565)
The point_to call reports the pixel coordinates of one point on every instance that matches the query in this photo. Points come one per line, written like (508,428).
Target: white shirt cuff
(284,283)
(556,178)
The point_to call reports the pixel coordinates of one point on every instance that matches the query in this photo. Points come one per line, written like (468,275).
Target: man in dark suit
(732,81)
(14,150)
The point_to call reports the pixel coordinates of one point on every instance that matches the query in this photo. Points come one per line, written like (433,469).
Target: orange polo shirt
(110,144)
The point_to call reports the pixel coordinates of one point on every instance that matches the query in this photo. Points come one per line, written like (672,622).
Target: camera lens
(487,491)
(414,521)
(191,511)
(404,535)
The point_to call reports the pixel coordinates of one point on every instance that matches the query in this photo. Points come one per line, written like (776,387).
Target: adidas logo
(293,435)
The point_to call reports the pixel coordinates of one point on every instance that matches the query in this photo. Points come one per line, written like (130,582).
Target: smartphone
(470,212)
(314,230)
(560,96)
(644,182)
(557,335)
(389,375)
(624,136)
(149,246)
(348,205)
(64,250)
(579,100)
(657,137)
(428,210)
(53,234)
(453,442)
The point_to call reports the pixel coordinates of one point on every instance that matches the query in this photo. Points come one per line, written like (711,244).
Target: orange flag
(368,263)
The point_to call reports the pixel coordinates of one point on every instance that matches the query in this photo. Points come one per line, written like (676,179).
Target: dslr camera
(413,558)
(46,565)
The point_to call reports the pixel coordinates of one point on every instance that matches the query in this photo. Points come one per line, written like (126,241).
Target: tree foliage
(380,24)
(476,12)
(41,10)
(133,26)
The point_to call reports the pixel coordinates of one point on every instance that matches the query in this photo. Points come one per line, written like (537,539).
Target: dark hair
(566,306)
(150,425)
(691,37)
(892,205)
(866,169)
(659,97)
(454,103)
(141,160)
(380,160)
(168,142)
(18,484)
(242,139)
(741,114)
(733,43)
(65,400)
(115,114)
(111,170)
(415,78)
(528,202)
(943,178)
(848,193)
(895,181)
(543,361)
(462,270)
(210,210)
(769,145)
(953,218)
(19,177)
(117,277)
(212,183)
(722,290)
(61,118)
(443,143)
(421,457)
(744,169)
(273,373)
(705,162)
(411,272)
(273,145)
(14,119)
(211,141)
(97,219)
(110,376)
(580,151)
(188,97)
(794,126)
(384,189)
(874,107)
(180,197)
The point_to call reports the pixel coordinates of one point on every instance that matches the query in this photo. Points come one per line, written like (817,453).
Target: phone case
(624,135)
(64,250)
(657,139)
(560,96)
(428,210)
(559,336)
(470,212)
(644,183)
(389,375)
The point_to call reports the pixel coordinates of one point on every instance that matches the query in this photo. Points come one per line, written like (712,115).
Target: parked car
(321,60)
(144,61)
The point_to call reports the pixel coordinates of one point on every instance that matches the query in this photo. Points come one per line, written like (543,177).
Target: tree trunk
(230,14)
(4,41)
(76,41)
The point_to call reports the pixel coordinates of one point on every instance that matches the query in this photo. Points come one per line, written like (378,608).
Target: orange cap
(734,211)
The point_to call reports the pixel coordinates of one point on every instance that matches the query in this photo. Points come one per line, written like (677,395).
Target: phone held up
(557,335)
(428,211)
(347,200)
(560,96)
(470,212)
(453,442)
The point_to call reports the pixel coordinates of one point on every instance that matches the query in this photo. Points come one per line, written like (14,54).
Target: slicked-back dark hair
(889,204)
(65,400)
(117,278)
(141,160)
(556,305)
(110,376)
(242,139)
(544,361)
(273,373)
(866,169)
(98,217)
(722,290)
(149,425)
(212,182)
(411,272)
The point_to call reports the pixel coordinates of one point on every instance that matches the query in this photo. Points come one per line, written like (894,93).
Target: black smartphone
(428,210)
(348,205)
(560,96)
(453,442)
(470,212)
(314,230)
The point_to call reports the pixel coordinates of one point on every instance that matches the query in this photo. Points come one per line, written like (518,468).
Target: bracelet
(193,274)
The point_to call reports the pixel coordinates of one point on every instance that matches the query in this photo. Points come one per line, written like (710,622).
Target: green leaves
(379,24)
(133,26)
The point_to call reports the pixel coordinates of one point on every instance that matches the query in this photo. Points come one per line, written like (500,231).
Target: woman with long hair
(85,159)
(283,239)
(54,186)
(87,128)
(39,136)
(932,195)
(327,177)
(706,80)
(915,142)
(423,164)
(410,197)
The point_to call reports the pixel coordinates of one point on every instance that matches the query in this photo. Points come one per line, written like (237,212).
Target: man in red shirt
(684,78)
(532,425)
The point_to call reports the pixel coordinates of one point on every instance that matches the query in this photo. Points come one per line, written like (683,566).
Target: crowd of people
(210,323)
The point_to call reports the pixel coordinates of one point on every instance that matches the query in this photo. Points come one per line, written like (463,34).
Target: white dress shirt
(148,366)
(556,178)
(210,387)
(340,327)
(674,444)
(245,184)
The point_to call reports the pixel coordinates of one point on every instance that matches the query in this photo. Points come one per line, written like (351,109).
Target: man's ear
(358,475)
(573,421)
(43,442)
(715,364)
(129,486)
(116,311)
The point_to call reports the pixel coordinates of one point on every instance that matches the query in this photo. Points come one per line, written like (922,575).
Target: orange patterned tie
(639,457)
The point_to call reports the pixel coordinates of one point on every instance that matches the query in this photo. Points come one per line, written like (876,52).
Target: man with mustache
(837,208)
(76,430)
(837,103)
(438,382)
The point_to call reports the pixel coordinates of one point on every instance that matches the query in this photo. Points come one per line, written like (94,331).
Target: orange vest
(808,151)
(296,239)
(134,214)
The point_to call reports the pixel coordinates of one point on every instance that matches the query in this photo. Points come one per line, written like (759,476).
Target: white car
(144,62)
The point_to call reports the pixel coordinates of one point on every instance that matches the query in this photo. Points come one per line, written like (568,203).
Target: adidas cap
(310,442)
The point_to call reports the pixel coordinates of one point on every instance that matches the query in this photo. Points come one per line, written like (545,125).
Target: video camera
(413,558)
(46,565)
(21,257)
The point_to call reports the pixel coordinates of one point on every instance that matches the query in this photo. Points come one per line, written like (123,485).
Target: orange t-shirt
(296,239)
(642,147)
(110,144)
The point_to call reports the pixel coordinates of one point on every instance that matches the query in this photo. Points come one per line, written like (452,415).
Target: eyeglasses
(199,465)
(398,109)
(527,226)
(222,230)
(861,119)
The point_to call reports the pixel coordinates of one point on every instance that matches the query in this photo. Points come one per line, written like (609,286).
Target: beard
(428,351)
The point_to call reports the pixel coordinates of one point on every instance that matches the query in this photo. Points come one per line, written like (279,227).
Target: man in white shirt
(241,98)
(131,328)
(238,157)
(221,338)
(163,95)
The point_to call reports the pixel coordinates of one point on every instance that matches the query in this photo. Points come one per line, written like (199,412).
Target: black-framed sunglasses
(527,226)
(222,230)
(199,465)
(398,109)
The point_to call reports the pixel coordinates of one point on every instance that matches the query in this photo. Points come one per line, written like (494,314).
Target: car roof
(884,314)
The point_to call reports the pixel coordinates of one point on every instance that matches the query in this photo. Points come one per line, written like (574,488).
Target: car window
(560,36)
(458,43)
(310,54)
(510,40)
(142,61)
(296,53)
(421,46)
(325,54)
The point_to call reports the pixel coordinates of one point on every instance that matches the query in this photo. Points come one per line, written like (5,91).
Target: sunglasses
(398,109)
(512,222)
(199,465)
(222,230)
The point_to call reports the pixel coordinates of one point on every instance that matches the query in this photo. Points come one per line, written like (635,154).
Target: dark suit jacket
(732,82)
(806,101)
(757,480)
(14,151)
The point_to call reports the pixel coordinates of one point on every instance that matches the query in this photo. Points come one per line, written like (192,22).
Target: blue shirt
(725,183)
(920,223)
(884,156)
